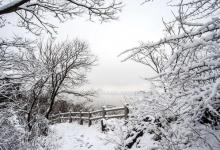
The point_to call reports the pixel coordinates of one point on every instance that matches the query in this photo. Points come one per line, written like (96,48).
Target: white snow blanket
(66,136)
(72,136)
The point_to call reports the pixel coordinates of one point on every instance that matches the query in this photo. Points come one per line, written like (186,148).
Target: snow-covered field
(72,136)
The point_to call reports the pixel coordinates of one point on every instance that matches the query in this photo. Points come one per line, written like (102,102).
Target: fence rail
(90,116)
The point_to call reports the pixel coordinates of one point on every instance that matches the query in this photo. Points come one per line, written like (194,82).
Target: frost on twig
(33,14)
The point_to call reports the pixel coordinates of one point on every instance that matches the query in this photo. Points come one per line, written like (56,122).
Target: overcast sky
(136,23)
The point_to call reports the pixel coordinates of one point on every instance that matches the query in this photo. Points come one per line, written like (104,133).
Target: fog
(111,78)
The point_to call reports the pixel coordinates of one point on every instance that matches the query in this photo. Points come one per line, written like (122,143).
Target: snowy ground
(66,136)
(72,136)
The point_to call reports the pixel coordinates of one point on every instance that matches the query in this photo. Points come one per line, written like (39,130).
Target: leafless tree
(44,72)
(64,67)
(190,63)
(33,14)
(67,65)
(15,65)
(18,61)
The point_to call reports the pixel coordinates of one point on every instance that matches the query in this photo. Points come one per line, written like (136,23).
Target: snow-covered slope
(72,136)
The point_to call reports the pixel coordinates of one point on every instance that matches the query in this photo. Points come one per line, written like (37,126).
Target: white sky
(136,23)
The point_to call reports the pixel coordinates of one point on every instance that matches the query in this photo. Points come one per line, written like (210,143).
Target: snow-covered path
(66,136)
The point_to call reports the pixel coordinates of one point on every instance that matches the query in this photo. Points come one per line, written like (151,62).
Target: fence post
(90,121)
(126,110)
(80,118)
(70,119)
(60,117)
(103,112)
(103,125)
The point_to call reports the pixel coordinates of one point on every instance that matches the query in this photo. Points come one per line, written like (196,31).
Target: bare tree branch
(32,13)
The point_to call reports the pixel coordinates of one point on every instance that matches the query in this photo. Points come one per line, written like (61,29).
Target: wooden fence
(90,116)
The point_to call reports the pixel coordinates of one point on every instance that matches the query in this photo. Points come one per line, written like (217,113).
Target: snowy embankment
(69,136)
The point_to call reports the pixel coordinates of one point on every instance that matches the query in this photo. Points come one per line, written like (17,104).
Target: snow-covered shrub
(152,115)
(40,127)
(116,132)
(131,133)
(172,130)
(40,135)
(12,130)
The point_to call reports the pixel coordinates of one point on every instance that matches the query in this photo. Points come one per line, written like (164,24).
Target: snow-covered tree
(188,60)
(36,16)
(33,15)
(67,64)
(29,66)
(62,69)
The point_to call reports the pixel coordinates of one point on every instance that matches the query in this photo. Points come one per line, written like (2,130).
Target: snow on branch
(32,14)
